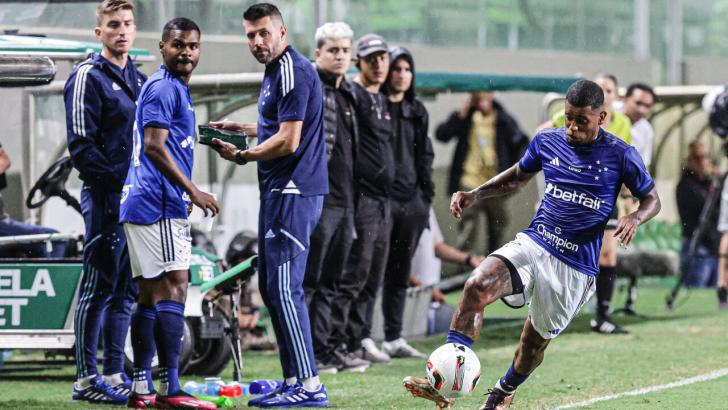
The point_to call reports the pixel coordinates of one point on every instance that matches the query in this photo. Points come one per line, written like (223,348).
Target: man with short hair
(374,173)
(293,179)
(331,241)
(637,105)
(554,261)
(155,205)
(100,98)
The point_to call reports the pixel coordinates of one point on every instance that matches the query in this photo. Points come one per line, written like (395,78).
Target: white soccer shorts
(163,246)
(556,290)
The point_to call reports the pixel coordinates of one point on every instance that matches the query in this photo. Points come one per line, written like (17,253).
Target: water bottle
(213,386)
(233,389)
(193,387)
(264,386)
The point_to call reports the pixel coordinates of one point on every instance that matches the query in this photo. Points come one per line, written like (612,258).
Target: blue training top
(582,184)
(291,91)
(148,195)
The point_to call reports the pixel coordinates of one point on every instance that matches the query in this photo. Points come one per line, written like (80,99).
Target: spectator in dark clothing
(412,192)
(373,174)
(331,241)
(488,142)
(692,190)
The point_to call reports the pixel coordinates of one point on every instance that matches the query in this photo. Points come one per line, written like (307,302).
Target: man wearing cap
(373,174)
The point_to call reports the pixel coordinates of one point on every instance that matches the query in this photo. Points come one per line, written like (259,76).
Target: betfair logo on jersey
(574,197)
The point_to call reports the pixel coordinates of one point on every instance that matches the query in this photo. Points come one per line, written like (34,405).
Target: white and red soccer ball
(453,370)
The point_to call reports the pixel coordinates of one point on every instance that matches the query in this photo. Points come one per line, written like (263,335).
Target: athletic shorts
(556,290)
(163,246)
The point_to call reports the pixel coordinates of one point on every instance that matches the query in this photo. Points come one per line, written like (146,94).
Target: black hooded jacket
(413,153)
(510,142)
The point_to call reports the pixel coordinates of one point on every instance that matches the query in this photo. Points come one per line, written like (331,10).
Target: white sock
(311,384)
(291,381)
(114,379)
(84,382)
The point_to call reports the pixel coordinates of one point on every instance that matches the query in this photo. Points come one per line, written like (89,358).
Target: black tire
(209,356)
(188,340)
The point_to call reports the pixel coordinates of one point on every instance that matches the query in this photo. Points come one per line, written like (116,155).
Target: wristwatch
(239,158)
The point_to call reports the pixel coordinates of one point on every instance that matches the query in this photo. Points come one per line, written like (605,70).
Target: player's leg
(118,315)
(288,251)
(605,284)
(408,221)
(93,299)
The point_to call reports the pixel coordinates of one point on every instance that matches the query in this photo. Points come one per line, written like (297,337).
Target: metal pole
(675,43)
(642,30)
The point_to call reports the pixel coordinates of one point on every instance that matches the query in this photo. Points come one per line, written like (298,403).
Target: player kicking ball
(554,261)
(156,201)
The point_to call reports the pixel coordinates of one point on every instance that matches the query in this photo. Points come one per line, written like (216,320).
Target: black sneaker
(607,327)
(349,362)
(498,400)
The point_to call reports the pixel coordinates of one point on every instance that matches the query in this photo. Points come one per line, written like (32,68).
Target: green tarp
(435,82)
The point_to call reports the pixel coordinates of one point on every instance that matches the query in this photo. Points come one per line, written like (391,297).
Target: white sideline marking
(684,382)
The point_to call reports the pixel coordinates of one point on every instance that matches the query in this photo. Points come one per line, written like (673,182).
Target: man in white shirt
(638,102)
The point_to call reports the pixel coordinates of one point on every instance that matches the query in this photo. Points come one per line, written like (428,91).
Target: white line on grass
(684,382)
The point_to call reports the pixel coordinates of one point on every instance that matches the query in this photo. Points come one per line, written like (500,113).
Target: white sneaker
(400,348)
(370,352)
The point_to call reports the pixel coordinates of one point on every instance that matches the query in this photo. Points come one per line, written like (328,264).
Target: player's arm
(627,225)
(723,261)
(282,143)
(504,183)
(83,119)
(154,149)
(4,160)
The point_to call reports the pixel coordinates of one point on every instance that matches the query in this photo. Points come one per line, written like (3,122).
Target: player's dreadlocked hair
(585,93)
(181,24)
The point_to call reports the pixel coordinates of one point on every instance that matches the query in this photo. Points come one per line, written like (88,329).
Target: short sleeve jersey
(582,184)
(148,195)
(291,91)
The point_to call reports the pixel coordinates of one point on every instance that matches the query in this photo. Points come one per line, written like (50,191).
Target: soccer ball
(453,370)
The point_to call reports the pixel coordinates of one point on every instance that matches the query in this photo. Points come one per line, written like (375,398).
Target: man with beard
(158,196)
(293,179)
(554,262)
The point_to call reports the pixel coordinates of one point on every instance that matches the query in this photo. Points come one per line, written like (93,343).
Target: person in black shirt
(373,175)
(331,241)
(412,192)
(692,191)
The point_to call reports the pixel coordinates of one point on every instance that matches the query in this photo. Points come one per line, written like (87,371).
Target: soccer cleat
(279,390)
(142,401)
(97,392)
(370,352)
(422,388)
(297,396)
(497,400)
(120,386)
(606,327)
(401,349)
(182,400)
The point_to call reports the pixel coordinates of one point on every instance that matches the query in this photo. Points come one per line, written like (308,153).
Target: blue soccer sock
(453,336)
(168,333)
(142,342)
(511,380)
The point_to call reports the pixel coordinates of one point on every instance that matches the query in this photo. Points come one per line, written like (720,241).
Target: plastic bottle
(213,386)
(193,387)
(264,386)
(232,389)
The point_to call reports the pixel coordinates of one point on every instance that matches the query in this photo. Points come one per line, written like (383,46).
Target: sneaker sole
(328,371)
(425,391)
(303,404)
(356,369)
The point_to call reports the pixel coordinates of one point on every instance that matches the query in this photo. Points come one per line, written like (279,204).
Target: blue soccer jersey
(582,184)
(291,91)
(148,195)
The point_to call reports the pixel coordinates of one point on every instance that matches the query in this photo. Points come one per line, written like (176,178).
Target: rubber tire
(209,356)
(188,340)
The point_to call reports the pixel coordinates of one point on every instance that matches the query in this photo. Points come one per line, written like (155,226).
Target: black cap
(369,44)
